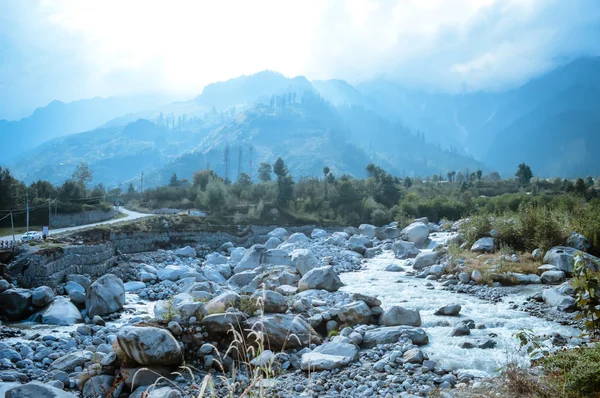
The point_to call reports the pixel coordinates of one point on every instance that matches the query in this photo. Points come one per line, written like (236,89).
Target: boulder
(272,243)
(223,324)
(253,258)
(355,313)
(272,302)
(460,330)
(417,233)
(449,310)
(222,302)
(555,298)
(424,260)
(297,238)
(578,241)
(72,286)
(149,345)
(68,363)
(215,258)
(357,243)
(397,316)
(61,312)
(367,230)
(105,296)
(388,232)
(320,278)
(403,250)
(144,276)
(391,334)
(318,233)
(185,252)
(304,260)
(537,254)
(279,233)
(394,268)
(101,386)
(36,389)
(329,356)
(484,245)
(4,285)
(236,255)
(81,280)
(239,280)
(464,277)
(562,257)
(41,296)
(77,298)
(172,272)
(476,276)
(282,330)
(15,304)
(133,286)
(414,355)
(553,277)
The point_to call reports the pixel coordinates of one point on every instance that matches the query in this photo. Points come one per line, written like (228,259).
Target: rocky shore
(271,319)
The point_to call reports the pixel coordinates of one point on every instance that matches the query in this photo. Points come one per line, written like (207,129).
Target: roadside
(127,216)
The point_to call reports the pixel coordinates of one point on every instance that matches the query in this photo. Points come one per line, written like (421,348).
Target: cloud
(71,49)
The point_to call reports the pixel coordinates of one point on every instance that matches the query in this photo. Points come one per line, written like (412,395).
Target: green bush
(577,370)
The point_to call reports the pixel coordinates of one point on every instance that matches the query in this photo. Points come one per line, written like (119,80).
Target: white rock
(397,316)
(318,233)
(149,345)
(417,233)
(320,278)
(424,260)
(297,238)
(279,233)
(304,260)
(185,252)
(133,286)
(329,356)
(484,245)
(105,296)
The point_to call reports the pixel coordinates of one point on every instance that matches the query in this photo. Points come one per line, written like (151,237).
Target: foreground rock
(398,316)
(150,345)
(105,296)
(15,304)
(449,310)
(391,334)
(563,257)
(417,233)
(36,389)
(484,245)
(403,250)
(320,278)
(61,312)
(330,356)
(284,331)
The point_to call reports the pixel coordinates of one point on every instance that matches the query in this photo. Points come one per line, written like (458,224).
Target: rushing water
(396,288)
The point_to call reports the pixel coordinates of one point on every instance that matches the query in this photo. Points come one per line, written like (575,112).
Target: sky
(75,49)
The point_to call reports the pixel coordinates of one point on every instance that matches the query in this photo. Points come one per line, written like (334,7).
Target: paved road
(131,215)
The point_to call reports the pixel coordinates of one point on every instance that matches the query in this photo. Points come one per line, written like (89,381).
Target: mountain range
(550,123)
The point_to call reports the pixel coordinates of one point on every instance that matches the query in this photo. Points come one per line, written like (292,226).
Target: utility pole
(49,211)
(27,206)
(12,225)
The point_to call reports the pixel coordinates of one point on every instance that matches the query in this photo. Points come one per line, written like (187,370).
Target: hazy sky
(72,49)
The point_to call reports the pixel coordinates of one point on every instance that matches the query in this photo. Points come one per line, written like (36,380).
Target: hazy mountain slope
(559,138)
(474,120)
(58,119)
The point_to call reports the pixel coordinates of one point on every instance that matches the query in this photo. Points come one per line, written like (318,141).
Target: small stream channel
(500,320)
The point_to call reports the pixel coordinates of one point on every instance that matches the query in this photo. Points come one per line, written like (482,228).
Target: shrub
(577,370)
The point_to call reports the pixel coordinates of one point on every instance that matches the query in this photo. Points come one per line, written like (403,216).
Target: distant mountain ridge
(549,122)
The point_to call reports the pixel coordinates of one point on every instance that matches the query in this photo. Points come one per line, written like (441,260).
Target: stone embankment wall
(85,217)
(50,267)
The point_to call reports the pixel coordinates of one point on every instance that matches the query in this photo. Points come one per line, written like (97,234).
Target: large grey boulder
(172,272)
(388,232)
(279,233)
(239,280)
(272,243)
(553,277)
(101,386)
(272,302)
(215,259)
(222,302)
(417,233)
(554,298)
(253,258)
(223,324)
(403,250)
(578,242)
(186,252)
(320,278)
(297,238)
(425,259)
(41,296)
(318,233)
(484,245)
(282,330)
(367,230)
(133,286)
(68,363)
(391,334)
(15,304)
(304,260)
(81,280)
(36,389)
(105,296)
(357,243)
(355,313)
(61,312)
(563,257)
(329,356)
(397,316)
(149,345)
(449,310)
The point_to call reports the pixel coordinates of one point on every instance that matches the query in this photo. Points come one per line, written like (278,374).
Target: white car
(31,235)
